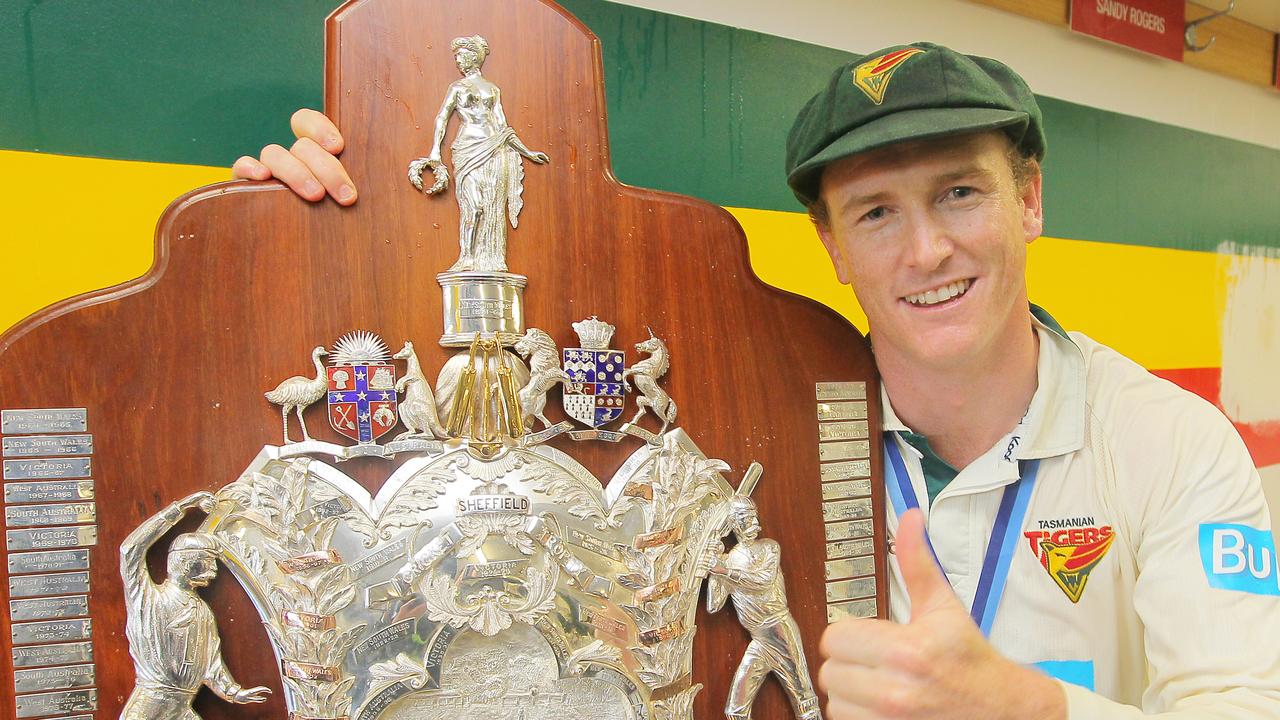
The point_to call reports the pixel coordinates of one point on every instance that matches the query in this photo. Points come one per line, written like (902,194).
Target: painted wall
(1163,237)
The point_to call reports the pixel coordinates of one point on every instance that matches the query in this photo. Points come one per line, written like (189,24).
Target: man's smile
(941,294)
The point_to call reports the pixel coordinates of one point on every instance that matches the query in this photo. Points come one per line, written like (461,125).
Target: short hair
(474,43)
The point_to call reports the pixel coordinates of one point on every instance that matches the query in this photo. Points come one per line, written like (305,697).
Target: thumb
(926,585)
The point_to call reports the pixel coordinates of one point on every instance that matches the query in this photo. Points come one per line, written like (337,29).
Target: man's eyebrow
(860,200)
(970,171)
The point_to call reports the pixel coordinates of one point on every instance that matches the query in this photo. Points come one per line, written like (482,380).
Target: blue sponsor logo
(1076,672)
(1238,557)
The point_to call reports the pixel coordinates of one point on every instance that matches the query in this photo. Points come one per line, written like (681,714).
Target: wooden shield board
(171,368)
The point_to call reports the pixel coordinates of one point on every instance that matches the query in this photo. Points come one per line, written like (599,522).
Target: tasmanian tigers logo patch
(872,77)
(1069,550)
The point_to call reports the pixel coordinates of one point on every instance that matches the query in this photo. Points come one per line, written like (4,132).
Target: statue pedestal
(482,302)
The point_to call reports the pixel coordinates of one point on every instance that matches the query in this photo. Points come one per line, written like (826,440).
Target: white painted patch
(1251,334)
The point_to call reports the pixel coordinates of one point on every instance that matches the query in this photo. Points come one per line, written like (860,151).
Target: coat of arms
(362,387)
(594,394)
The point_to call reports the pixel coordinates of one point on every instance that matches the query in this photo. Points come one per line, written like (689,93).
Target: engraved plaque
(847,470)
(851,589)
(49,608)
(849,530)
(48,491)
(849,548)
(45,562)
(50,420)
(846,510)
(846,489)
(66,653)
(844,430)
(48,445)
(59,514)
(850,567)
(842,391)
(856,410)
(54,678)
(54,584)
(47,468)
(56,703)
(845,450)
(50,538)
(51,631)
(857,608)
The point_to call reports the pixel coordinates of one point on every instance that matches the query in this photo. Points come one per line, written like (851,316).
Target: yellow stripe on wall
(69,225)
(1160,307)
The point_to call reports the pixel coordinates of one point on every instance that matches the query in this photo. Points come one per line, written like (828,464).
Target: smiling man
(1087,522)
(1098,546)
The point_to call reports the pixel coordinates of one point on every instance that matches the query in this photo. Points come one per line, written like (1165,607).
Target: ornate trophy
(487,526)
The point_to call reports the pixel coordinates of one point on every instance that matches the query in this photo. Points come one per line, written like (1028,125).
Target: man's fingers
(292,172)
(247,168)
(326,169)
(926,585)
(862,641)
(307,123)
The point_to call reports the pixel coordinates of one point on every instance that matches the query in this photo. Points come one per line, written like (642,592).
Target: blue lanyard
(1004,533)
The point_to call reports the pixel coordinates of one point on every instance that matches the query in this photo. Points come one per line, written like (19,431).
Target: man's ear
(833,249)
(1033,205)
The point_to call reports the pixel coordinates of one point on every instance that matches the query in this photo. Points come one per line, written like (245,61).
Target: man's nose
(929,242)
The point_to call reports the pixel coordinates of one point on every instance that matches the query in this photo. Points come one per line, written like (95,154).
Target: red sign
(1152,26)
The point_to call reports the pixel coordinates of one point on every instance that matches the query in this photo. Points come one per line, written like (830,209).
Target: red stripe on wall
(1262,439)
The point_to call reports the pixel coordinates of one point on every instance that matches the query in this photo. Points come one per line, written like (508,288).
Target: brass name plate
(78,467)
(52,584)
(856,410)
(846,510)
(850,567)
(46,562)
(48,491)
(841,391)
(51,538)
(844,430)
(846,489)
(47,420)
(857,608)
(849,530)
(51,631)
(49,608)
(851,589)
(58,514)
(847,470)
(47,446)
(844,450)
(64,654)
(56,703)
(54,678)
(849,548)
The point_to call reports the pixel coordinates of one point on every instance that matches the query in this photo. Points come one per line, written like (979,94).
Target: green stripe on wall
(695,108)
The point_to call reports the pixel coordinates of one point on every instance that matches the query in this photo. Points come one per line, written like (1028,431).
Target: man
(1093,524)
(173,636)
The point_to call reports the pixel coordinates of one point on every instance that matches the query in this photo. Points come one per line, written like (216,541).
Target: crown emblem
(594,334)
(359,348)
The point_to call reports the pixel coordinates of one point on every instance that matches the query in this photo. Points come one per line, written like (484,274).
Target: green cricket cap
(908,92)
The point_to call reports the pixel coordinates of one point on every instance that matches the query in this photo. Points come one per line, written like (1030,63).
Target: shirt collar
(1055,421)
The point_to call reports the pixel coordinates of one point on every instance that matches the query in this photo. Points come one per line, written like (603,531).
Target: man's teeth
(937,295)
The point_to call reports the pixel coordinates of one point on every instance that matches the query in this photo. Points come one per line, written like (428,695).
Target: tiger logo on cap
(872,77)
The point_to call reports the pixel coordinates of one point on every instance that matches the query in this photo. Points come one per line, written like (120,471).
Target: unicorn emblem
(646,373)
(544,373)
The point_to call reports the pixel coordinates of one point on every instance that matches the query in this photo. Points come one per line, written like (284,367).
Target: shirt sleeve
(1207,591)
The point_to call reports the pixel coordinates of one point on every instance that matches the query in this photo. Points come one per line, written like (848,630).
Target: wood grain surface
(249,278)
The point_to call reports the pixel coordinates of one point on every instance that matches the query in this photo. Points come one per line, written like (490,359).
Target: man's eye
(960,193)
(875,214)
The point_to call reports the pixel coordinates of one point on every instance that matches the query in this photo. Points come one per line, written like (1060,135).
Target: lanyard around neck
(1004,532)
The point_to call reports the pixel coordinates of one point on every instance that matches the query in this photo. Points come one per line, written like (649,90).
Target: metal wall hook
(1189,37)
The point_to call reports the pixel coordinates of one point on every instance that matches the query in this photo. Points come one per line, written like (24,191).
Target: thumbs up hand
(937,666)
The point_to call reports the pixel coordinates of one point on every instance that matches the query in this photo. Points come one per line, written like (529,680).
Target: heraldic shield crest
(445,550)
(595,392)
